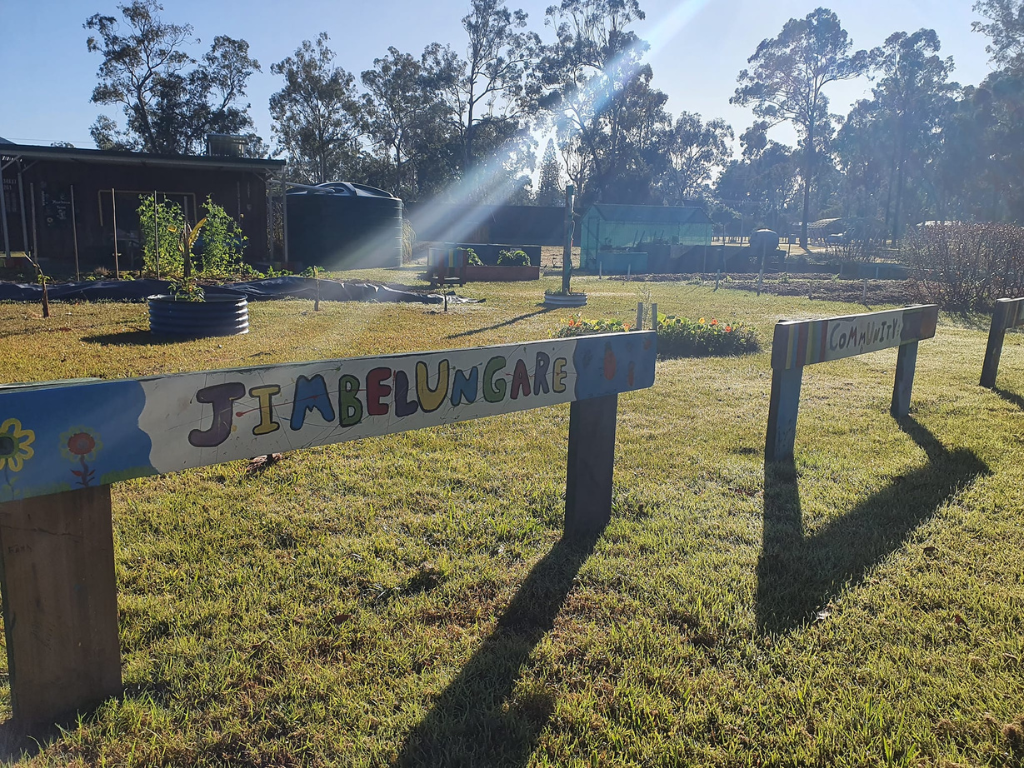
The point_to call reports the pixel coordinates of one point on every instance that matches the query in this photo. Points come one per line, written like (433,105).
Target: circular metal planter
(216,316)
(572,300)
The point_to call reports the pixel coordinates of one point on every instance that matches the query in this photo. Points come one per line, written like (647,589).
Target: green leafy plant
(223,242)
(682,337)
(472,260)
(187,289)
(160,224)
(515,258)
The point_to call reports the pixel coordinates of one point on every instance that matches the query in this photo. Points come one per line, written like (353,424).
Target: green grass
(407,600)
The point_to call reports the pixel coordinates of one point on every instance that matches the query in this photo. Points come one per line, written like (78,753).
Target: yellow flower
(701,321)
(15,445)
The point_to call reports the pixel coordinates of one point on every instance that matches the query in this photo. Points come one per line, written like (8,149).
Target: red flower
(81,443)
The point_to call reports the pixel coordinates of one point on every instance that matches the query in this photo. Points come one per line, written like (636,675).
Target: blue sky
(697,47)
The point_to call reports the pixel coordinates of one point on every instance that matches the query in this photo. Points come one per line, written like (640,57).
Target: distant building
(40,183)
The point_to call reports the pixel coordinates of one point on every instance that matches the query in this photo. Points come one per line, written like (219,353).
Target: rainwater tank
(341,225)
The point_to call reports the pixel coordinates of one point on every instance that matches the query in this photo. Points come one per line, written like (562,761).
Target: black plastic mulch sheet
(289,287)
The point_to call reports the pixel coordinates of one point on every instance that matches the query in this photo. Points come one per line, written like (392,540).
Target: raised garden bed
(214,316)
(501,274)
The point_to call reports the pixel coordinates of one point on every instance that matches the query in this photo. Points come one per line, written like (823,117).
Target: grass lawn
(407,600)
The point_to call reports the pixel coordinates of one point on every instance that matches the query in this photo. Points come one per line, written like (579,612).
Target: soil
(812,286)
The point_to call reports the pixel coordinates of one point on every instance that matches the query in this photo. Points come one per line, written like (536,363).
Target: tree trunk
(808,172)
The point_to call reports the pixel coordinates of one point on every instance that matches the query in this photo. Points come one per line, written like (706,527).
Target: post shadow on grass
(502,324)
(1010,397)
(797,574)
(469,723)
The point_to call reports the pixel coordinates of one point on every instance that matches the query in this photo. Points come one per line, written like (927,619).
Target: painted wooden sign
(61,444)
(59,438)
(805,342)
(1009,313)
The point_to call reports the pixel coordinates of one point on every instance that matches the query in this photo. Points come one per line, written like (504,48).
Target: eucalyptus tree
(486,91)
(170,100)
(597,88)
(695,150)
(787,80)
(317,117)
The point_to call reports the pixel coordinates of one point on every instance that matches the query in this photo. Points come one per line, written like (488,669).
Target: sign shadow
(472,722)
(502,324)
(797,574)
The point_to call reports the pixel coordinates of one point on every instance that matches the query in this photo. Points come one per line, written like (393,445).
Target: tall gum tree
(787,79)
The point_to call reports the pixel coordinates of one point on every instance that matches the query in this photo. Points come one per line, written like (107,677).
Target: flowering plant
(682,337)
(577,326)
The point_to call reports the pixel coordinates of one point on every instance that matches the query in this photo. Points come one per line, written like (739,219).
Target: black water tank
(341,225)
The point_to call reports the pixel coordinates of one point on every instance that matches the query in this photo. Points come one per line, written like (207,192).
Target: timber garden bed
(406,599)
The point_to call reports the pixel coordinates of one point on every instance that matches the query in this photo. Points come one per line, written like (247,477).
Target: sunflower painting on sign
(15,445)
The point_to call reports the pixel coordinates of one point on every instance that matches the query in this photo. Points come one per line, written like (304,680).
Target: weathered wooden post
(800,343)
(588,485)
(61,445)
(1007,315)
(60,602)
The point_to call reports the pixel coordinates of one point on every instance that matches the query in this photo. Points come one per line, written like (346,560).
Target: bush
(168,262)
(682,337)
(677,336)
(966,267)
(472,260)
(222,242)
(513,259)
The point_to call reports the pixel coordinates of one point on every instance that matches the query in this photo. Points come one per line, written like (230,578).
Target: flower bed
(682,337)
(677,336)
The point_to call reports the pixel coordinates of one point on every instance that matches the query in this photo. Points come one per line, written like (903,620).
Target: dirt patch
(822,287)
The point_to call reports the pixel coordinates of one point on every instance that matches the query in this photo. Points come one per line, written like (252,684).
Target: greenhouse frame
(628,228)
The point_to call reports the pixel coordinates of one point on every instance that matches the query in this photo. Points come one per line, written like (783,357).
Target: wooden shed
(59,201)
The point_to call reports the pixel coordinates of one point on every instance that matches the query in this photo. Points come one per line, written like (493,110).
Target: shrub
(966,267)
(513,259)
(682,337)
(220,239)
(168,260)
(222,242)
(472,260)
(677,336)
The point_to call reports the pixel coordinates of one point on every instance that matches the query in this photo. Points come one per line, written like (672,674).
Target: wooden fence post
(906,363)
(59,602)
(782,413)
(588,485)
(994,349)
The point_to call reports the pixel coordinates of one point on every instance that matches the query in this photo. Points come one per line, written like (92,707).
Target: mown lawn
(407,600)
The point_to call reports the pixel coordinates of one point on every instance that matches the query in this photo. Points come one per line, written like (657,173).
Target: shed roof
(651,214)
(73,154)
